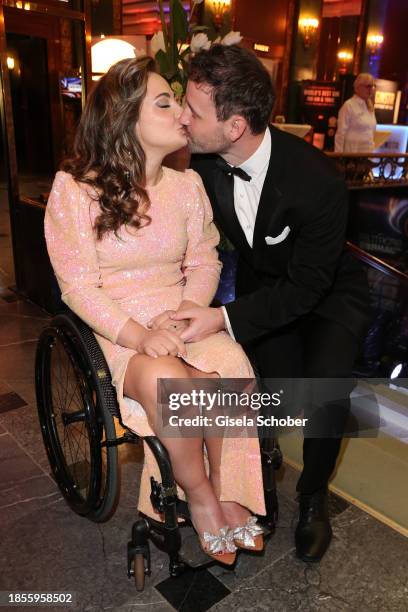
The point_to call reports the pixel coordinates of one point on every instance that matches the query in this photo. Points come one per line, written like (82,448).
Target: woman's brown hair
(107,154)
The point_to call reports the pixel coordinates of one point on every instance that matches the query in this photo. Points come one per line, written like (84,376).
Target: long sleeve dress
(138,274)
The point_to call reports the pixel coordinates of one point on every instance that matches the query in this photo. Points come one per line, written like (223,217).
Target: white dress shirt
(355,127)
(247,195)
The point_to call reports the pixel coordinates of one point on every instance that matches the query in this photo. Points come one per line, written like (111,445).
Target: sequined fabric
(139,275)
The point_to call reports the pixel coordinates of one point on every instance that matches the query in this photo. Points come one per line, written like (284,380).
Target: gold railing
(372,170)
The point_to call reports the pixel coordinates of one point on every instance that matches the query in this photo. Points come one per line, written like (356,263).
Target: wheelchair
(78,408)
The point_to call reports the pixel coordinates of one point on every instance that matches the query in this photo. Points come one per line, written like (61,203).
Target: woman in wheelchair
(132,241)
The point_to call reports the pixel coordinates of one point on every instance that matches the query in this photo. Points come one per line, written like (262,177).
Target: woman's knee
(235,354)
(143,374)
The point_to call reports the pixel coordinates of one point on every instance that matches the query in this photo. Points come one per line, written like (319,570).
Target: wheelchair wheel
(139,570)
(74,399)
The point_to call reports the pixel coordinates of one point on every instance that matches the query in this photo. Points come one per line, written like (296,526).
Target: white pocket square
(278,239)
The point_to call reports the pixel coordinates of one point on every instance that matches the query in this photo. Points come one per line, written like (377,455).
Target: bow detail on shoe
(221,543)
(247,532)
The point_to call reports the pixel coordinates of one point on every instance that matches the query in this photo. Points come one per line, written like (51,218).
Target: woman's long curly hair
(107,154)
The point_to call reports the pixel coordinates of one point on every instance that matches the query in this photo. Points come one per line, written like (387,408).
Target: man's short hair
(240,84)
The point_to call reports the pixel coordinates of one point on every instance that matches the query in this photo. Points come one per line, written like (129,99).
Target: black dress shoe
(313,532)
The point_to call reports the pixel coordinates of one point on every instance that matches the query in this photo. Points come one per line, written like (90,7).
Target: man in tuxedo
(301,299)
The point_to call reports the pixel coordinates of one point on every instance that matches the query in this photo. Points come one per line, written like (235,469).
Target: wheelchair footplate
(191,552)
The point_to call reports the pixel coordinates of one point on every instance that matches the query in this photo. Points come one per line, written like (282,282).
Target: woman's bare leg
(186,454)
(235,514)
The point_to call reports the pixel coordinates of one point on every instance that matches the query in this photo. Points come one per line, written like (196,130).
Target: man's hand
(164,321)
(161,342)
(161,319)
(203,322)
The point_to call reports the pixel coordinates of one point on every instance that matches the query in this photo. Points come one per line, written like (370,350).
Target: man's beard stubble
(216,143)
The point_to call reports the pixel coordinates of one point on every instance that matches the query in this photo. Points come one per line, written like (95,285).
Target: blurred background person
(356,123)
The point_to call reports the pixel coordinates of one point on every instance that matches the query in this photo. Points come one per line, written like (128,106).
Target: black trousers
(316,348)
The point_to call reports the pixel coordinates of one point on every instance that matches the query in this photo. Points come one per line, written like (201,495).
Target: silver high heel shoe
(220,546)
(249,536)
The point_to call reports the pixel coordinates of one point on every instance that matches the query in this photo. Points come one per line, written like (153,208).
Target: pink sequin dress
(139,275)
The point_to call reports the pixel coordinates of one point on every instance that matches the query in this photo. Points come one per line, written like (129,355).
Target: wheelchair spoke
(78,455)
(73,436)
(65,388)
(64,367)
(68,405)
(77,440)
(68,445)
(57,388)
(58,370)
(71,389)
(57,397)
(74,414)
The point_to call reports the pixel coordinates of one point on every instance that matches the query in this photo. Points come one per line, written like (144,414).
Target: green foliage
(164,63)
(177,35)
(178,23)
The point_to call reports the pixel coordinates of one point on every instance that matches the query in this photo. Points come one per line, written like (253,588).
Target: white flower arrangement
(176,41)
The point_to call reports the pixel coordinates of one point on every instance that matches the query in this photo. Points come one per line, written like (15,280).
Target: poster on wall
(385,98)
(320,103)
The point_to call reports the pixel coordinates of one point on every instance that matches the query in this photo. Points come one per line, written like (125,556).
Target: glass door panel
(43,102)
(7,278)
(46,93)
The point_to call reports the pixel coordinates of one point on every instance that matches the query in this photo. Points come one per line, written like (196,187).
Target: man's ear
(237,126)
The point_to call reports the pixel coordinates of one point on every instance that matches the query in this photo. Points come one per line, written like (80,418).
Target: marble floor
(45,547)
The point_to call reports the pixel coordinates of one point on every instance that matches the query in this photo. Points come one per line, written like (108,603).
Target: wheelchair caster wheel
(139,571)
(138,562)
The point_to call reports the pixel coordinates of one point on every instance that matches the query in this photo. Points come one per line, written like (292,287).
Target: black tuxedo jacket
(305,267)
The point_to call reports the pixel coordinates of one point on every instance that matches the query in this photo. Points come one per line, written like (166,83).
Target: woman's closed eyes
(163,100)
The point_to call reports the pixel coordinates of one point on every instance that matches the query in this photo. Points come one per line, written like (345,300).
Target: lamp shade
(108,51)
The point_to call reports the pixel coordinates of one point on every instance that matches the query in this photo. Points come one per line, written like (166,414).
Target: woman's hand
(160,342)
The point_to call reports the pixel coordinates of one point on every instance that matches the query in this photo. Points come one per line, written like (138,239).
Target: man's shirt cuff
(227,322)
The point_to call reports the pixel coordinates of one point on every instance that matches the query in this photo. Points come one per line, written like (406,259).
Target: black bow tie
(232,170)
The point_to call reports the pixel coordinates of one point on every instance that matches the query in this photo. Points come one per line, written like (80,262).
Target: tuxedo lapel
(224,193)
(268,205)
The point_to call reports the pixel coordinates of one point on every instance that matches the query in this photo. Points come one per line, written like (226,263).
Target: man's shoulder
(303,159)
(203,163)
(290,155)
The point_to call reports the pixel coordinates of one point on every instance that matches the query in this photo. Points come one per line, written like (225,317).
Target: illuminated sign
(263,48)
(321,95)
(385,100)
